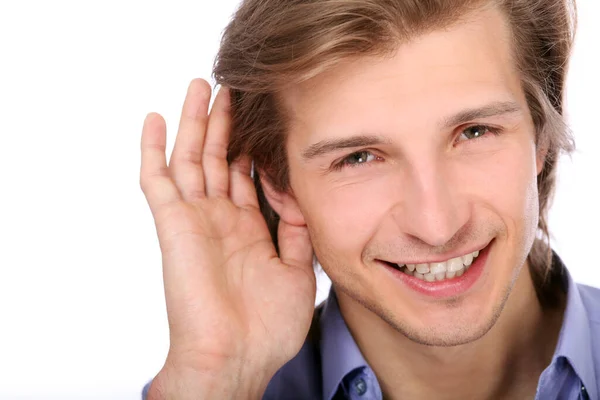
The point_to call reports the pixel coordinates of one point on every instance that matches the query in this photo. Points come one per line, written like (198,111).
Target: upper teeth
(440,270)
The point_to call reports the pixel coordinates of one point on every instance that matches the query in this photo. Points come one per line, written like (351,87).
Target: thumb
(295,247)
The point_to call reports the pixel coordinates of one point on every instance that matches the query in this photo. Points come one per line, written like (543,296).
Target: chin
(455,327)
(459,317)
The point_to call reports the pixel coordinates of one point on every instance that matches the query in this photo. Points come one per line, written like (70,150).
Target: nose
(433,208)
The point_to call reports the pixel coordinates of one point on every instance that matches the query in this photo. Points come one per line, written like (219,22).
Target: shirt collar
(340,354)
(575,338)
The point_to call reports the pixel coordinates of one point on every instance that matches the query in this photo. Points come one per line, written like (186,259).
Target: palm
(237,288)
(229,296)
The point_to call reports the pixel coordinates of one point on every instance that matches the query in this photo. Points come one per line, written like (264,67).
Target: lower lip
(448,287)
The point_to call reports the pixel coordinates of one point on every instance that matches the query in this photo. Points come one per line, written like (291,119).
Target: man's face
(422,157)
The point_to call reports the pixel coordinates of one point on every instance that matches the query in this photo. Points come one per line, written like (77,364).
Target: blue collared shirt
(330,366)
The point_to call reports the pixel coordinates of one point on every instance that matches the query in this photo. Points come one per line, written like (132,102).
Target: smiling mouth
(438,271)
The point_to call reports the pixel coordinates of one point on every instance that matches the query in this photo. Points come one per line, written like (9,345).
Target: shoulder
(301,377)
(590,296)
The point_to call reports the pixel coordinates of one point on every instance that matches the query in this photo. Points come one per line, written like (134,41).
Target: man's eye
(475,132)
(356,159)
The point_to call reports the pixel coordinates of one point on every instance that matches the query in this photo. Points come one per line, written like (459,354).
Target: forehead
(437,73)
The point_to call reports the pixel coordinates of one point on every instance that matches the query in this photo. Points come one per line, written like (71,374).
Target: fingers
(214,155)
(241,186)
(295,247)
(155,180)
(186,159)
(198,164)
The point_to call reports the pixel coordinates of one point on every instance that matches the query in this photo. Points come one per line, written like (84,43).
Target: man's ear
(540,156)
(283,203)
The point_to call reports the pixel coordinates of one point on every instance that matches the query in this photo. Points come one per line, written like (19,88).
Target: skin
(428,191)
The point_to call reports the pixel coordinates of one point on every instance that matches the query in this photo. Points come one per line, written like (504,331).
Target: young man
(411,147)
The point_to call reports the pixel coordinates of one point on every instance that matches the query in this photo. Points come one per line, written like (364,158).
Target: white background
(81,301)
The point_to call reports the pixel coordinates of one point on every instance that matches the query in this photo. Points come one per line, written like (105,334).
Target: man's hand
(237,312)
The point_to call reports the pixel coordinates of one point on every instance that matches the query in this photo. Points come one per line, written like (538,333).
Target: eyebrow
(326,146)
(489,110)
(329,145)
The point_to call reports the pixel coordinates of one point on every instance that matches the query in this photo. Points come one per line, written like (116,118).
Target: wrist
(179,382)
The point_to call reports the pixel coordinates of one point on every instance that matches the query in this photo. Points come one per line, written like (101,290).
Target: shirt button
(361,386)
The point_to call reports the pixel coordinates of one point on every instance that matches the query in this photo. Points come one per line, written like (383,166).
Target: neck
(505,363)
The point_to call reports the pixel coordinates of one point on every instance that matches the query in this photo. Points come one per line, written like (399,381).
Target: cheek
(507,182)
(345,217)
